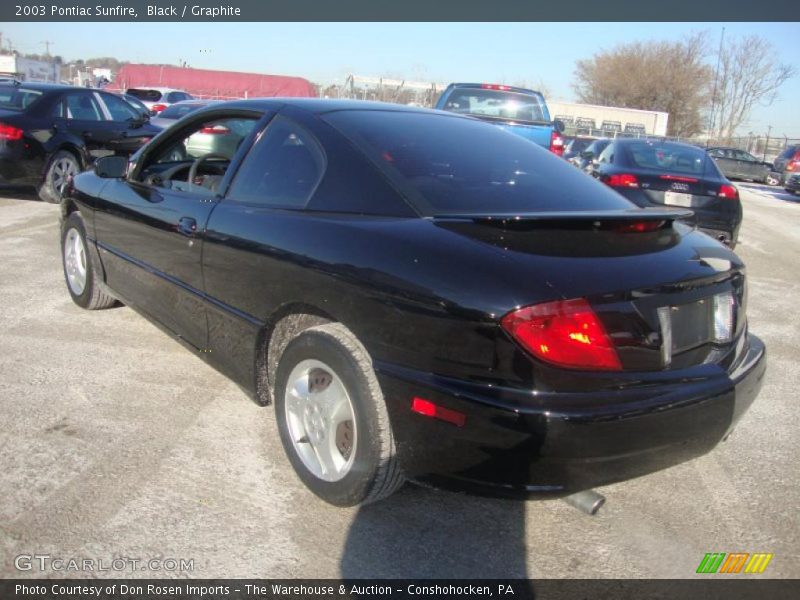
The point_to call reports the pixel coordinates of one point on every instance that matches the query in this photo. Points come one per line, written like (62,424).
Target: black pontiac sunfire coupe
(422,296)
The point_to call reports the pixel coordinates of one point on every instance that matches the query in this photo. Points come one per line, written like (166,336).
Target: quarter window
(282,170)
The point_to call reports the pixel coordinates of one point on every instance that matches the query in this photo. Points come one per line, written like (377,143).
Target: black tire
(91,296)
(60,165)
(375,471)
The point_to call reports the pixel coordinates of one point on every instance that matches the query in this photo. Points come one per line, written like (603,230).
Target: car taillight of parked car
(728,191)
(158,107)
(215,130)
(794,164)
(556,143)
(566,333)
(622,180)
(9,132)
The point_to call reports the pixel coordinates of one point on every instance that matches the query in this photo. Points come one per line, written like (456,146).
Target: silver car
(158,98)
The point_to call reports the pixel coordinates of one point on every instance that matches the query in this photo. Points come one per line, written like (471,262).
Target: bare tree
(665,76)
(748,75)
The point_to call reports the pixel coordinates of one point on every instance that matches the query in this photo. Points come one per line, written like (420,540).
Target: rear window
(448,166)
(176,111)
(664,156)
(17,98)
(145,94)
(498,104)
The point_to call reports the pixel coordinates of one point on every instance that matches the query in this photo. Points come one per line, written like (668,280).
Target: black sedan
(422,296)
(654,173)
(50,132)
(738,164)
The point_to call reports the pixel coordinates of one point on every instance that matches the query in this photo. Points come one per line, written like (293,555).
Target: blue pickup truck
(520,111)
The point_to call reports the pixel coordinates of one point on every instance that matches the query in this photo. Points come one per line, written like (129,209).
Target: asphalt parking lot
(119,442)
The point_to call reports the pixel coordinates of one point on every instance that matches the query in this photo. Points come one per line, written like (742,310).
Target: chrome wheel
(75,261)
(62,169)
(320,420)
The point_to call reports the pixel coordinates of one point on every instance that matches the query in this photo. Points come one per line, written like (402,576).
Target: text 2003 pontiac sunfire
(422,296)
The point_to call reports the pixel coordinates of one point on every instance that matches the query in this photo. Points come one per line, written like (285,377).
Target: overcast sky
(442,52)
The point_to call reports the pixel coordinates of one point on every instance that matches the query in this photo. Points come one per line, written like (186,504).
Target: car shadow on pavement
(425,533)
(20,193)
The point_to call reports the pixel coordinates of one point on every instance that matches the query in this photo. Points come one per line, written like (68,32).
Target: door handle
(187,226)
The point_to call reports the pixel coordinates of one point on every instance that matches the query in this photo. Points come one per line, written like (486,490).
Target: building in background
(608,121)
(26,69)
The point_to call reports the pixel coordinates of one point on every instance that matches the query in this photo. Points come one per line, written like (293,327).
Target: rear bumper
(793,184)
(19,168)
(526,443)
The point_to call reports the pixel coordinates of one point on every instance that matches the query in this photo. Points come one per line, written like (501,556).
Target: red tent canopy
(212,84)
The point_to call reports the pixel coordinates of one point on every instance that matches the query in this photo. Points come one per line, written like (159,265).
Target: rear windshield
(144,94)
(664,156)
(17,98)
(176,111)
(498,104)
(448,166)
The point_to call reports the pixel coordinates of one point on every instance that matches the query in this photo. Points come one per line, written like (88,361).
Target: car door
(726,162)
(752,168)
(128,131)
(150,228)
(80,116)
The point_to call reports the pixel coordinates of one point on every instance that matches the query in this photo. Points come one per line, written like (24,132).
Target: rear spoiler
(598,216)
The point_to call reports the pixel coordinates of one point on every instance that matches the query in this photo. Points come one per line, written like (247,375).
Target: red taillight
(793,165)
(9,132)
(494,86)
(622,180)
(556,143)
(158,107)
(638,226)
(566,333)
(216,130)
(429,409)
(679,178)
(727,191)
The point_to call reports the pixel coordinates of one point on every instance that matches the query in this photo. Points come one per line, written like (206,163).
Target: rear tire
(80,273)
(62,165)
(332,418)
(772,179)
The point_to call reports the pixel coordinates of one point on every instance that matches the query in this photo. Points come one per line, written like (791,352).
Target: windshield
(146,95)
(449,166)
(498,104)
(176,111)
(17,98)
(664,156)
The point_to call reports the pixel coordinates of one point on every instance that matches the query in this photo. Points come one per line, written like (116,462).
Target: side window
(741,155)
(607,155)
(119,109)
(282,169)
(717,153)
(83,107)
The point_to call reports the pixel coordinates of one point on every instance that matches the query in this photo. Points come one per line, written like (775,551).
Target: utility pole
(47,47)
(716,78)
(766,143)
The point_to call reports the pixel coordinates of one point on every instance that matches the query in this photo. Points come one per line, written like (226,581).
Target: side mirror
(111,167)
(559,125)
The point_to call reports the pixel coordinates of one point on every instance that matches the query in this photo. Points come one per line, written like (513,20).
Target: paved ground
(118,442)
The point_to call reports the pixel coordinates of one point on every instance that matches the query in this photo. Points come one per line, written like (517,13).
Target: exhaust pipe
(588,501)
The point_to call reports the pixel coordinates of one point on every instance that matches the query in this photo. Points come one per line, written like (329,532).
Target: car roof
(45,87)
(325,105)
(156,88)
(627,141)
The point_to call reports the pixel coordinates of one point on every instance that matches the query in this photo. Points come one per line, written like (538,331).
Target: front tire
(63,165)
(332,418)
(80,273)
